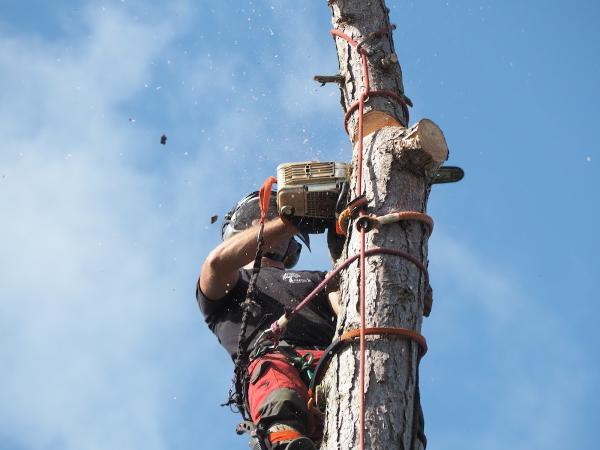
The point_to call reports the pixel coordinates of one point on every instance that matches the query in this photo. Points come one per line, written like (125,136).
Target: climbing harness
(260,438)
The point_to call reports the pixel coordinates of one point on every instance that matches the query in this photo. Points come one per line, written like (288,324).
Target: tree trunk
(397,169)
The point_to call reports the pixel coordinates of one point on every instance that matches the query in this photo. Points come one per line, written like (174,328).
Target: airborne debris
(163,139)
(213,219)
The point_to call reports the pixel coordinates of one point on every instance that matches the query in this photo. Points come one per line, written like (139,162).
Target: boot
(301,443)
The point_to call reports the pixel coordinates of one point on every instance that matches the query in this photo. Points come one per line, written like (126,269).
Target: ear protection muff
(226,228)
(240,217)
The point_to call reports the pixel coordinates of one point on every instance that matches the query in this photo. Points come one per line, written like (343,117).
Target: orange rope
(404,332)
(377,221)
(341,225)
(407,215)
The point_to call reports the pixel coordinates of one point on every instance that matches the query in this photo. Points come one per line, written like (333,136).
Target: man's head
(246,213)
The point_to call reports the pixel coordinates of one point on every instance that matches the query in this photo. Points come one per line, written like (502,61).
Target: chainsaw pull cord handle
(250,304)
(342,200)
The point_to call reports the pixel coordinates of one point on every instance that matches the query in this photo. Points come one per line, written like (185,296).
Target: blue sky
(103,229)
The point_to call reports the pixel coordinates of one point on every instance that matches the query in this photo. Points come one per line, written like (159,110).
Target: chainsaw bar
(448,174)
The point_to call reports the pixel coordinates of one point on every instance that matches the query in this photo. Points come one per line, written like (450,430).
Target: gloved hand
(335,242)
(308,225)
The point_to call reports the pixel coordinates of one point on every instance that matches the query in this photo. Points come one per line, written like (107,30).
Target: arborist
(271,379)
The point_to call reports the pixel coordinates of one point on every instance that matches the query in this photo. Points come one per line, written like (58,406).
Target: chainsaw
(316,192)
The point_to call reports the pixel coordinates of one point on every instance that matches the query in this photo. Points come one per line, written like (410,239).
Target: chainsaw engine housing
(310,190)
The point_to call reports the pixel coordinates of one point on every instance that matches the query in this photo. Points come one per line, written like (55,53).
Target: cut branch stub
(427,137)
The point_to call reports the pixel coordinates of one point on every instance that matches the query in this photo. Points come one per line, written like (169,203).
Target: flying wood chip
(163,139)
(213,219)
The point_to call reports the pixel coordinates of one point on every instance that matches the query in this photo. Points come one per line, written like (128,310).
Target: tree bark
(398,166)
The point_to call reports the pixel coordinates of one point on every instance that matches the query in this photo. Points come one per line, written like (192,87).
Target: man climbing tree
(240,300)
(367,381)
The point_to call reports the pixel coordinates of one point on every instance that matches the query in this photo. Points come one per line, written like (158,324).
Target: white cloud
(85,299)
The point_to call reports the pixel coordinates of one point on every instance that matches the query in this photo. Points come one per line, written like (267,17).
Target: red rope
(362,343)
(341,266)
(367,91)
(275,329)
(374,221)
(363,331)
(265,193)
(363,253)
(336,32)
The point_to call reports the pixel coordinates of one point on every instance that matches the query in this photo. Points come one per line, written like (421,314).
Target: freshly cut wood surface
(375,120)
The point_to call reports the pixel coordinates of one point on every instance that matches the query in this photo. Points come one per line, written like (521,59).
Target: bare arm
(220,270)
(334,301)
(333,294)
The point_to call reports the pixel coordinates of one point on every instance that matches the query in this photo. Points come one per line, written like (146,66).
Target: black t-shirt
(277,290)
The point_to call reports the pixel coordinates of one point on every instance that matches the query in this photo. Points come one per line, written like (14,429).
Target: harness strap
(348,337)
(236,396)
(405,332)
(284,435)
